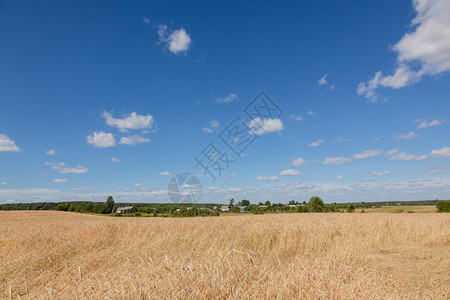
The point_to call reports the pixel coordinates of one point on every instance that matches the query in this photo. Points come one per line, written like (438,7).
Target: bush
(117,215)
(351,208)
(443,206)
(138,215)
(258,211)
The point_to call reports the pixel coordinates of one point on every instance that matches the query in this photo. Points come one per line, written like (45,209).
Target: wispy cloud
(50,152)
(231,97)
(165,173)
(382,173)
(267,178)
(316,143)
(290,172)
(133,140)
(436,170)
(113,159)
(391,152)
(324,82)
(212,126)
(406,136)
(405,156)
(367,154)
(64,169)
(336,160)
(60,180)
(425,124)
(296,117)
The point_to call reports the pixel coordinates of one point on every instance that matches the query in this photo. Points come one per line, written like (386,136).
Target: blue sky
(113,98)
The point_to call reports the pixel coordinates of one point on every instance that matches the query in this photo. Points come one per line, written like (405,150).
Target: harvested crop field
(278,256)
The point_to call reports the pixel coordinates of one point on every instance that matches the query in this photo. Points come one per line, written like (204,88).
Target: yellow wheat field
(64,255)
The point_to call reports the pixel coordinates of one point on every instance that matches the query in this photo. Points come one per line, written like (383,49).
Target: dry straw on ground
(285,256)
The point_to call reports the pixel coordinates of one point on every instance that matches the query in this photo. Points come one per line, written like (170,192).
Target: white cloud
(426,46)
(391,152)
(316,143)
(3,183)
(7,145)
(405,156)
(146,20)
(177,42)
(406,136)
(166,173)
(290,172)
(310,113)
(130,122)
(137,184)
(339,177)
(50,152)
(323,80)
(376,139)
(340,139)
(296,117)
(113,159)
(213,125)
(227,99)
(369,179)
(133,140)
(436,170)
(262,126)
(425,124)
(336,160)
(267,178)
(440,153)
(64,169)
(298,162)
(382,173)
(59,180)
(101,139)
(368,153)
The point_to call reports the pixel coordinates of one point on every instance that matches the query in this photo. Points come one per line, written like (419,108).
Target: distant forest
(192,209)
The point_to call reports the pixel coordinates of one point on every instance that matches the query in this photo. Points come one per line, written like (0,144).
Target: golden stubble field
(65,255)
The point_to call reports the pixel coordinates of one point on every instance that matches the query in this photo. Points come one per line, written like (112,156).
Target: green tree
(443,206)
(236,209)
(267,203)
(231,202)
(244,202)
(292,202)
(316,204)
(109,204)
(62,206)
(351,208)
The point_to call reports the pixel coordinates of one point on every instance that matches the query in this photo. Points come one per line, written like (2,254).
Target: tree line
(315,204)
